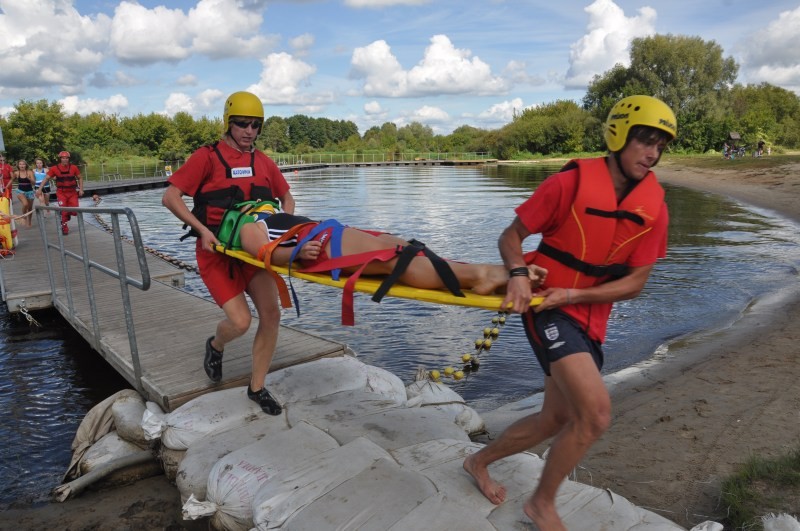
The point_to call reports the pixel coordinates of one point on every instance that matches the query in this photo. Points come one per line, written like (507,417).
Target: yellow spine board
(8,229)
(371,284)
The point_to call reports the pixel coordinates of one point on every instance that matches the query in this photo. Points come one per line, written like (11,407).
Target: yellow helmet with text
(637,110)
(241,104)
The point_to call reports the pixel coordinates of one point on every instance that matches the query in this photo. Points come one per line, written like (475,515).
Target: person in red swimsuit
(218,176)
(604,225)
(69,187)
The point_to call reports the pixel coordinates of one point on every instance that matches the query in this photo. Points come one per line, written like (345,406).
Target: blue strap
(336,242)
(336,251)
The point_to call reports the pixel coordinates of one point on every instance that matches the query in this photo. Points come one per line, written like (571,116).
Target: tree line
(689,74)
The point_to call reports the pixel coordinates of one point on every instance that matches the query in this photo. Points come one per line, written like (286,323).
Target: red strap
(364,259)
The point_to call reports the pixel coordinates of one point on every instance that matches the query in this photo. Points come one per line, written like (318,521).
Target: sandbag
(111,447)
(289,491)
(392,493)
(199,459)
(127,412)
(338,406)
(326,376)
(441,512)
(425,393)
(395,428)
(203,415)
(235,478)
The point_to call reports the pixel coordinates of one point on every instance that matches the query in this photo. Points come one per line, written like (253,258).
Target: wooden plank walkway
(171,325)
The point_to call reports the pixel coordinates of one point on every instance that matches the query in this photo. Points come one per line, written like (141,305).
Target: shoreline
(680,425)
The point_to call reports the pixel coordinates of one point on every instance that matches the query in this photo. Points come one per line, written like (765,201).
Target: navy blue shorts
(555,335)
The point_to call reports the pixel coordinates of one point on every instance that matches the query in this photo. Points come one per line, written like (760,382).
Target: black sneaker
(213,362)
(268,404)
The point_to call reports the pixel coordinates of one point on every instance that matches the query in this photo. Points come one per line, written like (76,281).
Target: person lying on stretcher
(330,246)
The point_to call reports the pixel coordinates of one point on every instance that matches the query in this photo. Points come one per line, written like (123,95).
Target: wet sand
(678,429)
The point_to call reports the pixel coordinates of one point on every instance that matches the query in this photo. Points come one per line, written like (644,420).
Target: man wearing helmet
(69,187)
(217,177)
(603,223)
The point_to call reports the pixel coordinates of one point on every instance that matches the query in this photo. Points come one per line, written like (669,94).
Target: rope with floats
(471,361)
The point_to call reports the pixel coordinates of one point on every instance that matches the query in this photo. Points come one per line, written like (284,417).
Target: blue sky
(440,62)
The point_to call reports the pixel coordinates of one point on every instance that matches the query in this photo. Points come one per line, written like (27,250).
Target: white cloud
(442,70)
(49,43)
(302,43)
(208,102)
(427,115)
(187,80)
(502,113)
(373,107)
(773,53)
(112,105)
(281,80)
(607,42)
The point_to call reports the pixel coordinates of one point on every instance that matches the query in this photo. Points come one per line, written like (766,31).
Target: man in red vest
(69,187)
(5,175)
(603,223)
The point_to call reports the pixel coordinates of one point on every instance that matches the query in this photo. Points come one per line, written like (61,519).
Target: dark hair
(648,135)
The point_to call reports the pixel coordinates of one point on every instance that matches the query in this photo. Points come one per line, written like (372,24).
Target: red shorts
(224,277)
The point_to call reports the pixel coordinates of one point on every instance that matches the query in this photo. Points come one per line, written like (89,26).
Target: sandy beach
(678,428)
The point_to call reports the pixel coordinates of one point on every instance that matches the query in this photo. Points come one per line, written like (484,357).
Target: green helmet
(637,110)
(241,104)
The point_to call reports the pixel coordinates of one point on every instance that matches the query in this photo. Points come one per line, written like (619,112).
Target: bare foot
(544,516)
(494,491)
(490,279)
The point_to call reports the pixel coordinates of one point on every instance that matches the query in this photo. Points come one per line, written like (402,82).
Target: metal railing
(89,265)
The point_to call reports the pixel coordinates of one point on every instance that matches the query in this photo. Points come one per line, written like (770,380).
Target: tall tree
(36,129)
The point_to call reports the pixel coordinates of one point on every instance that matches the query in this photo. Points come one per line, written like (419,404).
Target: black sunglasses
(244,124)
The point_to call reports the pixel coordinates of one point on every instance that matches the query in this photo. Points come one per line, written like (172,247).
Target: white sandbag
(235,478)
(586,508)
(289,491)
(153,408)
(128,412)
(392,493)
(317,378)
(440,512)
(197,462)
(428,393)
(338,406)
(203,415)
(442,463)
(395,428)
(111,447)
(170,461)
(386,383)
(425,393)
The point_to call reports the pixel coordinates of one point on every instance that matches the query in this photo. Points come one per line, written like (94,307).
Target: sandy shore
(718,398)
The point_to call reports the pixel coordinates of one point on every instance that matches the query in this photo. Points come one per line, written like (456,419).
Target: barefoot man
(603,223)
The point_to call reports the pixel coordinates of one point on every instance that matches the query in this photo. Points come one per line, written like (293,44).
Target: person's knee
(595,421)
(240,323)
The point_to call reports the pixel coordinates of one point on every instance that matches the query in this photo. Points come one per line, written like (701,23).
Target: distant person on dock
(603,223)
(218,176)
(5,176)
(40,172)
(69,187)
(25,190)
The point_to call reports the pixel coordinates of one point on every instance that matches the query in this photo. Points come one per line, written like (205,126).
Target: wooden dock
(171,325)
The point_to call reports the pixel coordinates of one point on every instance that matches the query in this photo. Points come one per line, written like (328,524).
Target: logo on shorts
(551,332)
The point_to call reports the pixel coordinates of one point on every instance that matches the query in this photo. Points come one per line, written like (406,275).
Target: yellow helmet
(241,104)
(637,110)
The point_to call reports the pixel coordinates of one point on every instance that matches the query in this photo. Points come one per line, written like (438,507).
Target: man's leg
(236,322)
(582,388)
(264,292)
(522,435)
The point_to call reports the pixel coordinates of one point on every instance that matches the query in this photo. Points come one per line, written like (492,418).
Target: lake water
(721,256)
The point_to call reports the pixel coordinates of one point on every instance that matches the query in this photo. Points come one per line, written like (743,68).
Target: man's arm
(287,202)
(173,200)
(627,287)
(518,290)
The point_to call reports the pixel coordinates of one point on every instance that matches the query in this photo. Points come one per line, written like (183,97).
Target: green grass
(762,486)
(716,162)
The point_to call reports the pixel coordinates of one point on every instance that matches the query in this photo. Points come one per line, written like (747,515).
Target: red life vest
(597,237)
(66,179)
